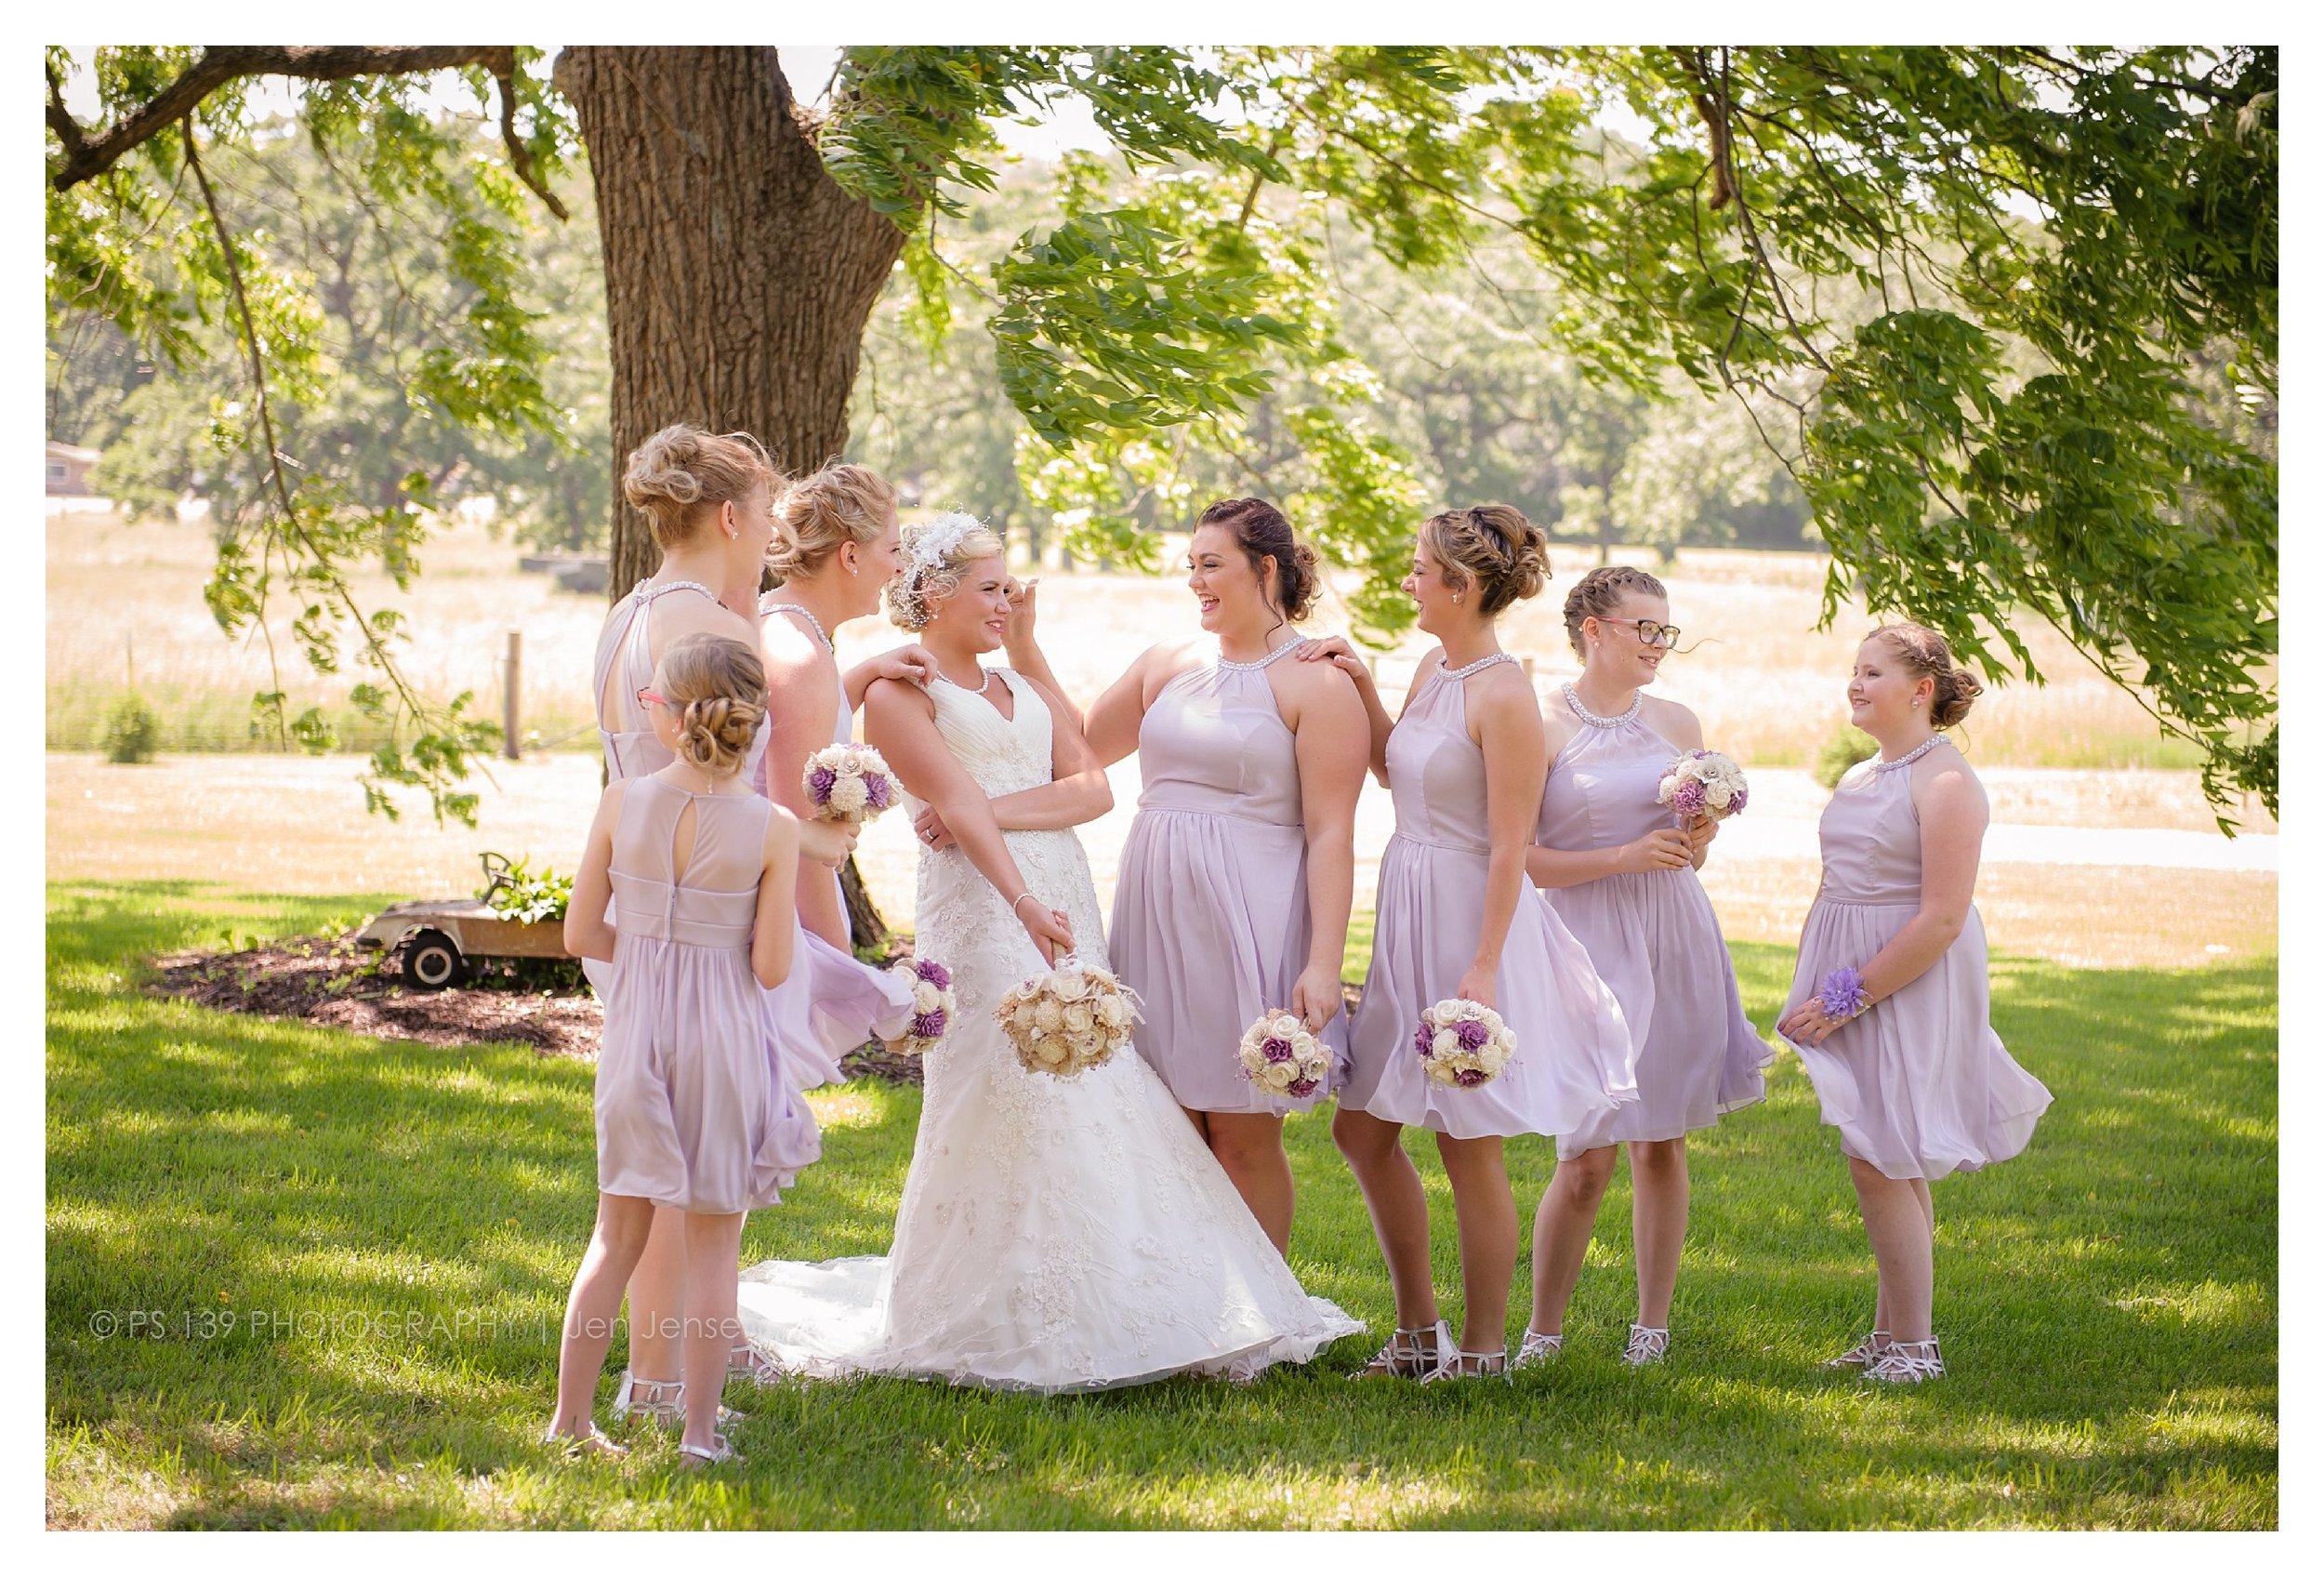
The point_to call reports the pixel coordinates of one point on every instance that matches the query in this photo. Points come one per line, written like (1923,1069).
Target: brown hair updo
(1597,594)
(1262,531)
(718,688)
(681,469)
(839,503)
(1925,652)
(1493,547)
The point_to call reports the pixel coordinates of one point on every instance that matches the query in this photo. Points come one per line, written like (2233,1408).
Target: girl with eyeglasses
(1622,877)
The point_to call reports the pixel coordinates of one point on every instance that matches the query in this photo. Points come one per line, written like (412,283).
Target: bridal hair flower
(1463,1043)
(1703,782)
(933,1004)
(1281,1058)
(1074,1017)
(926,554)
(849,783)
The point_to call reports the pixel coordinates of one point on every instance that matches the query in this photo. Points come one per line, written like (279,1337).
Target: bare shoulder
(896,699)
(783,645)
(1164,661)
(1944,783)
(1673,722)
(676,616)
(1503,691)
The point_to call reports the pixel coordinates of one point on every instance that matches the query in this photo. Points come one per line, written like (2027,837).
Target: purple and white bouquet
(848,783)
(932,1004)
(1074,1017)
(1842,994)
(1282,1059)
(1703,783)
(1463,1043)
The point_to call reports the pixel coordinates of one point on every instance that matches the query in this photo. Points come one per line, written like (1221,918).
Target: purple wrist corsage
(1841,995)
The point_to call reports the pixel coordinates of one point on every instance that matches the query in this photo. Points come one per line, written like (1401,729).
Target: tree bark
(739,277)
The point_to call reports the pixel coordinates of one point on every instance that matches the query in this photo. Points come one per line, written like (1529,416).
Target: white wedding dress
(1055,1235)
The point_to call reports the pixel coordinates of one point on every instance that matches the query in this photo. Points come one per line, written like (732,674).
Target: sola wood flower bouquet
(1703,783)
(932,1004)
(848,783)
(1463,1043)
(1074,1017)
(1282,1059)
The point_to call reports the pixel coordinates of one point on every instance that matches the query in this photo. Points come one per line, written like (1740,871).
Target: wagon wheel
(432,961)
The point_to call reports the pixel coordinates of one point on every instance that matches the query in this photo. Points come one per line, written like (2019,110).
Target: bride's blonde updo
(681,470)
(934,556)
(839,503)
(718,688)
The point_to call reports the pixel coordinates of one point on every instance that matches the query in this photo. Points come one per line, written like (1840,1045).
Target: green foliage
(1843,750)
(132,730)
(520,892)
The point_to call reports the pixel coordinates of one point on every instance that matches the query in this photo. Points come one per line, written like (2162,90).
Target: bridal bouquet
(848,783)
(1463,1043)
(1074,1017)
(932,1004)
(1703,782)
(1282,1059)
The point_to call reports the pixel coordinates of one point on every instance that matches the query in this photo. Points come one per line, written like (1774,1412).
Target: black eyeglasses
(1653,634)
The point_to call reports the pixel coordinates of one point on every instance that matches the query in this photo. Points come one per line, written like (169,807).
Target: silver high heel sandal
(1647,1344)
(1907,1363)
(1537,1349)
(1864,1355)
(1404,1358)
(1487,1365)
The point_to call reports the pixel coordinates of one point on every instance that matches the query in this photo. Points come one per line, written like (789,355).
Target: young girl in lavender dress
(1620,873)
(1234,884)
(1457,918)
(1889,1005)
(692,1116)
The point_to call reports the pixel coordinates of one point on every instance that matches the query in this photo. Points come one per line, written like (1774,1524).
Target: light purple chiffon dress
(1573,1062)
(1210,921)
(1920,1085)
(692,1113)
(1651,936)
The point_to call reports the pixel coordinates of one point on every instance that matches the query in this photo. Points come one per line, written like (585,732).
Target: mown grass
(2108,1301)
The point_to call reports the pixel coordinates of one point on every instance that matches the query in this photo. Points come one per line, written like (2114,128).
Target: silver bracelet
(1018,899)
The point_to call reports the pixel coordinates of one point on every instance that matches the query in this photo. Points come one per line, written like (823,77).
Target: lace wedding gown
(1054,1235)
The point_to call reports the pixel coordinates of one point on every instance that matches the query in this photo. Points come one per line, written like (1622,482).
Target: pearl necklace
(812,621)
(1922,748)
(1592,719)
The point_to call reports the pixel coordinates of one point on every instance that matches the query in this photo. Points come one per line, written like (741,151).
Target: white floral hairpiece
(929,549)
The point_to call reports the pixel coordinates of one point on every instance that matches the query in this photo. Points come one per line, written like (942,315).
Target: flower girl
(693,1114)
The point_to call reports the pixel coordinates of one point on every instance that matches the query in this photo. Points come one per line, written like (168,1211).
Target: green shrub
(528,895)
(132,731)
(1841,752)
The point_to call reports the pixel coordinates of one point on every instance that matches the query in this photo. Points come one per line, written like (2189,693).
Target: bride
(1055,1235)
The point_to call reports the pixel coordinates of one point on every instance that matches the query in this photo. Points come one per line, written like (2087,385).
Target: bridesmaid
(1622,878)
(1888,1008)
(708,498)
(1239,870)
(1457,918)
(836,545)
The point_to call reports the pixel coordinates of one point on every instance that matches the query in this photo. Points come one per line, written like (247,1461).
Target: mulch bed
(329,980)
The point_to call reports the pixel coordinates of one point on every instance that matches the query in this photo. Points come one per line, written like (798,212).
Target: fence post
(1527,663)
(511,673)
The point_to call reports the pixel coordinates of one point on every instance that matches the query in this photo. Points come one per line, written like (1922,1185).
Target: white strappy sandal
(1404,1358)
(595,1444)
(719,1449)
(1487,1365)
(1537,1349)
(1647,1344)
(1907,1363)
(1864,1355)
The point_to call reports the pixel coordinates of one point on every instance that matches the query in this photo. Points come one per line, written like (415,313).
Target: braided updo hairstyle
(911,596)
(1597,594)
(839,503)
(718,688)
(1493,547)
(1262,531)
(681,470)
(1925,652)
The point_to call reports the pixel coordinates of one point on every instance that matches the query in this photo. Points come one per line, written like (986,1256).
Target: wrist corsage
(1841,995)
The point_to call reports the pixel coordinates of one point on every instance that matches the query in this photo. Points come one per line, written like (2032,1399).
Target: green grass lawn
(302,1278)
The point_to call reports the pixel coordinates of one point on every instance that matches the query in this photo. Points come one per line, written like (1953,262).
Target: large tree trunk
(738,275)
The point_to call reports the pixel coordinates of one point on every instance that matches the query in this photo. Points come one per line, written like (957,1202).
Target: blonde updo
(1493,547)
(839,503)
(1925,652)
(681,470)
(1597,594)
(718,688)
(925,581)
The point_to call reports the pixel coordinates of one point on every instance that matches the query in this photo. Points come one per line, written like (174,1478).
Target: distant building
(68,468)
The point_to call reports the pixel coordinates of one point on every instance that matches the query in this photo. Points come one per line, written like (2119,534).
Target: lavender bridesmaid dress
(1211,923)
(832,1002)
(691,1111)
(1651,936)
(1572,1063)
(1920,1086)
